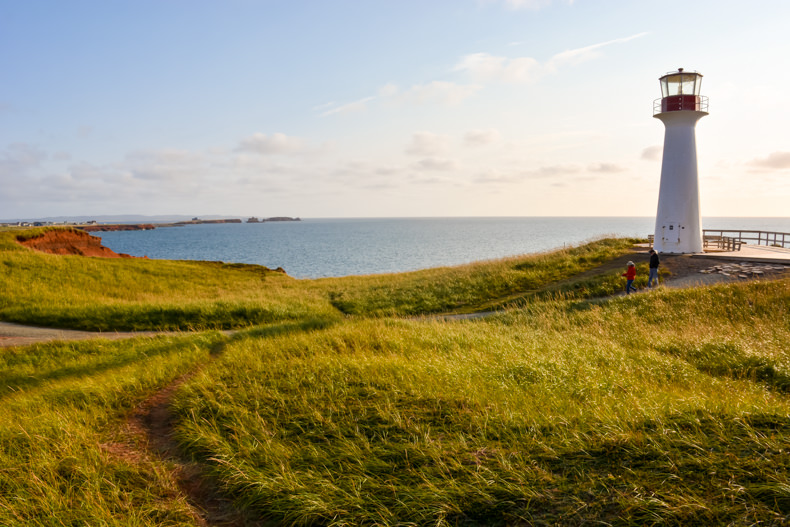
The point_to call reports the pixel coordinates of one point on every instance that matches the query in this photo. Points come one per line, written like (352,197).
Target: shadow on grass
(104,362)
(727,359)
(285,328)
(686,469)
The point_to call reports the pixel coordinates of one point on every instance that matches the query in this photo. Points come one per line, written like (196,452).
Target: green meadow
(354,401)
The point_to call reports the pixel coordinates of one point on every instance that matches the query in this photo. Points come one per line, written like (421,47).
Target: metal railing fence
(769,238)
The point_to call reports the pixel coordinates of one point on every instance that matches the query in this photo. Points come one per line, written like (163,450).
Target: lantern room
(680,90)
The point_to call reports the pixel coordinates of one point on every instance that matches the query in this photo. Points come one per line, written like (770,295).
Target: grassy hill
(338,403)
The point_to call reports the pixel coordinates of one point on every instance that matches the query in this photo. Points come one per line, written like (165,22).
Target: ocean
(316,248)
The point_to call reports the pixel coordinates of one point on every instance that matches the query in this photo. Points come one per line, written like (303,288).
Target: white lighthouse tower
(678,223)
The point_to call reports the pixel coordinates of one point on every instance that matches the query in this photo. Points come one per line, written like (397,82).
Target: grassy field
(479,285)
(132,294)
(339,405)
(101,294)
(60,404)
(627,411)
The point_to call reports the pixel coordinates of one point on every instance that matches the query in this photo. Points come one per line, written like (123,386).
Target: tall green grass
(113,294)
(666,408)
(663,408)
(121,294)
(61,406)
(478,285)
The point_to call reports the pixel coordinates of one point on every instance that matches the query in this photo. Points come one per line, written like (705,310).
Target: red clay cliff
(71,241)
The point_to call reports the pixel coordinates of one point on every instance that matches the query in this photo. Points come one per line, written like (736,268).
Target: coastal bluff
(70,242)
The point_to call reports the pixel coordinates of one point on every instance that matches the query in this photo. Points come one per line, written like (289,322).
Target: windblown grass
(629,411)
(664,408)
(114,294)
(130,294)
(60,406)
(478,284)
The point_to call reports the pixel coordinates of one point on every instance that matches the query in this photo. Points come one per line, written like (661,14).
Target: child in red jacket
(630,276)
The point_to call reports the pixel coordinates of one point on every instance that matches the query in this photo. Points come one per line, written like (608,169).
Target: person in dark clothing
(654,263)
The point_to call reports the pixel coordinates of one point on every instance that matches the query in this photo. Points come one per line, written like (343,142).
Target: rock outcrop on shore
(71,242)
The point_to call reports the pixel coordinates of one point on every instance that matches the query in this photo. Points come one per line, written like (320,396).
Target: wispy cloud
(774,161)
(438,92)
(352,107)
(21,157)
(579,55)
(606,168)
(270,144)
(427,144)
(484,67)
(481,137)
(652,153)
(554,171)
(324,107)
(441,93)
(510,177)
(527,4)
(165,165)
(389,90)
(437,164)
(498,176)
(20,165)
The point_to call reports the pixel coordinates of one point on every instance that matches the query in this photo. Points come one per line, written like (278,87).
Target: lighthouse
(678,223)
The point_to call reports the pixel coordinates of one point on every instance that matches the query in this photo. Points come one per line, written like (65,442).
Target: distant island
(253,219)
(198,221)
(130,220)
(93,226)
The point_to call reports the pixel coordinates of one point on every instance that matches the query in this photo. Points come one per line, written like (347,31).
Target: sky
(384,108)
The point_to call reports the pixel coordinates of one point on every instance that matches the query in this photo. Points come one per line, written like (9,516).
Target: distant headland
(198,221)
(95,226)
(133,222)
(253,219)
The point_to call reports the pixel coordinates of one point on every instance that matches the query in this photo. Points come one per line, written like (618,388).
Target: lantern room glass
(681,84)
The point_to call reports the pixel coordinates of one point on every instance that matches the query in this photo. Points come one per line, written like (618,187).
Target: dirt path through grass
(152,426)
(148,436)
(684,271)
(19,335)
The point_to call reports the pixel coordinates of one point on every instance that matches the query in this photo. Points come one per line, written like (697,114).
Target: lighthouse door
(671,233)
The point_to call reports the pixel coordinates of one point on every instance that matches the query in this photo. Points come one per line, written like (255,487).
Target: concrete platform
(751,254)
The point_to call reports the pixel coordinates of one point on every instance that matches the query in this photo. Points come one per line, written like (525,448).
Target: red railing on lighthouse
(676,103)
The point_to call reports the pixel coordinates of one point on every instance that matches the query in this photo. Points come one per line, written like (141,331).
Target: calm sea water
(314,248)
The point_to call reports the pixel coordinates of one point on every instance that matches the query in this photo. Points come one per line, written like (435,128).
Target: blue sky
(381,108)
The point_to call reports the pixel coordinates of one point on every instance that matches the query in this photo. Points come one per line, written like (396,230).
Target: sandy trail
(19,335)
(148,435)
